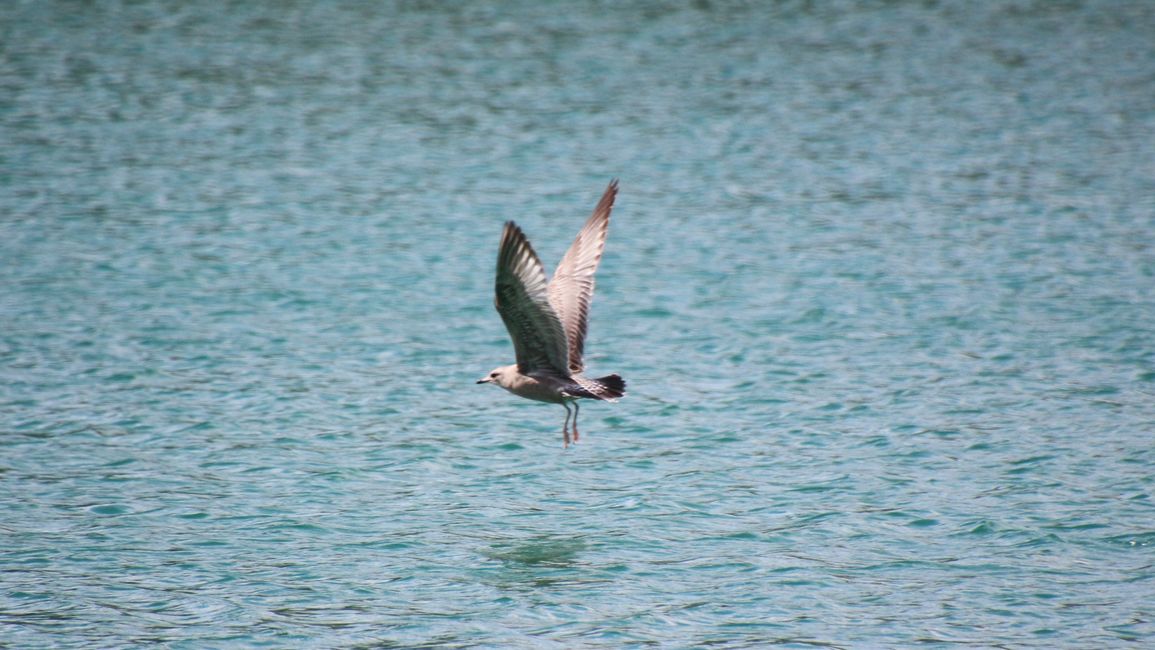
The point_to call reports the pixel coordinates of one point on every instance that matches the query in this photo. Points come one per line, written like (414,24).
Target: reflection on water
(546,550)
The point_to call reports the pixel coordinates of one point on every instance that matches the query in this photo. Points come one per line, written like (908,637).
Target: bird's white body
(544,389)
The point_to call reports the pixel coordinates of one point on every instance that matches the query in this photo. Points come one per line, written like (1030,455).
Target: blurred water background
(880,277)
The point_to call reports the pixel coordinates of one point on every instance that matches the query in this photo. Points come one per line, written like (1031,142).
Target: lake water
(881,278)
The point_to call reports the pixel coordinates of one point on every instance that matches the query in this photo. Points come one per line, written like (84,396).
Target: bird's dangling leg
(575,414)
(565,427)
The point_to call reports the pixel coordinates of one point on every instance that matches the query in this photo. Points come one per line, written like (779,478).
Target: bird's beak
(484,380)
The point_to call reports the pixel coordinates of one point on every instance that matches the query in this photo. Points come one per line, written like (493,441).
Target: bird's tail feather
(611,387)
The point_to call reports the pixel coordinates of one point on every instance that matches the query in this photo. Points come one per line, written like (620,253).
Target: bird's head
(502,376)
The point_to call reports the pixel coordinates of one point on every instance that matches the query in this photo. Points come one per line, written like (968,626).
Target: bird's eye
(493,374)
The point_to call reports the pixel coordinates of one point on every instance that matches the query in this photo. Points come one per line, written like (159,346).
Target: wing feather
(572,286)
(522,299)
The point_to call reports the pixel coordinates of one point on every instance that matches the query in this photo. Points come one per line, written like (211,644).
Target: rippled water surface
(881,278)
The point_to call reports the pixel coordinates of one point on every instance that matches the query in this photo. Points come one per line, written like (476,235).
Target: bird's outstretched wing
(522,299)
(572,285)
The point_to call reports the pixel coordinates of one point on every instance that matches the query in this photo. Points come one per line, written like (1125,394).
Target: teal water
(880,278)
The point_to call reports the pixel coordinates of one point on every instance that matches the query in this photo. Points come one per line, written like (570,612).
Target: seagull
(547,320)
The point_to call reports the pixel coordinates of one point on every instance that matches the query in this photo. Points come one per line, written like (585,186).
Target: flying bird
(547,320)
